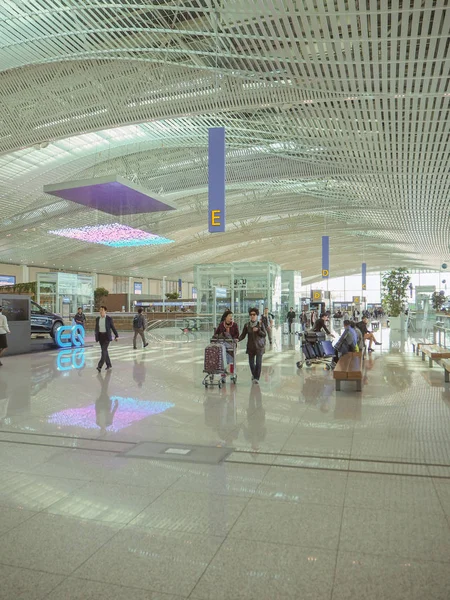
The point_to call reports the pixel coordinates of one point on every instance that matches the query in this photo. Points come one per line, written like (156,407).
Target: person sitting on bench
(346,343)
(368,335)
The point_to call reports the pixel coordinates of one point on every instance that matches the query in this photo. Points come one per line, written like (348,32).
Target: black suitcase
(315,336)
(318,350)
(308,351)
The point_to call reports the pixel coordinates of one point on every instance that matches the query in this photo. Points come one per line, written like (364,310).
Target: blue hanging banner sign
(216,179)
(325,256)
(364,275)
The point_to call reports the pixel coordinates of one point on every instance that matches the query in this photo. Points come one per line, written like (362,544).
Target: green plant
(99,294)
(20,288)
(172,296)
(394,285)
(438,300)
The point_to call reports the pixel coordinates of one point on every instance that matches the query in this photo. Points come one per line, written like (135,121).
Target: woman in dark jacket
(256,342)
(228,329)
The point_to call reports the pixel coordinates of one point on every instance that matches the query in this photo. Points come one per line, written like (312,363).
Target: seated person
(368,335)
(359,336)
(346,343)
(320,325)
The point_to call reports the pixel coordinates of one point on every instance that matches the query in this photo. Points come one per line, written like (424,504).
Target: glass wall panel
(69,289)
(237,286)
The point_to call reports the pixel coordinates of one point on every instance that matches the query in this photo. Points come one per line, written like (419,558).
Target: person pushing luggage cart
(221,352)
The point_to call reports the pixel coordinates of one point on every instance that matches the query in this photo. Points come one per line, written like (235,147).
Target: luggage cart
(228,349)
(316,350)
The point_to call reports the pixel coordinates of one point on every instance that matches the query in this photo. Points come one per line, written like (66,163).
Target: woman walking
(256,343)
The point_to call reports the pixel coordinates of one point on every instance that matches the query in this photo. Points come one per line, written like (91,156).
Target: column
(24,274)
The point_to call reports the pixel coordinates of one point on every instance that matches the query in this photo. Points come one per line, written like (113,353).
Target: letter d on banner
(216,179)
(363,276)
(325,257)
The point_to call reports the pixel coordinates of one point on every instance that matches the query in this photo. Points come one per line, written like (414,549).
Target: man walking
(4,329)
(303,319)
(291,318)
(267,321)
(104,328)
(139,328)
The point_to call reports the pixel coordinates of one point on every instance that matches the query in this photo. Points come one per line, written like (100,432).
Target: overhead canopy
(336,116)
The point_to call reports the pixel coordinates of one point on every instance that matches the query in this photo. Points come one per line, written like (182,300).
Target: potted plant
(99,294)
(438,299)
(394,286)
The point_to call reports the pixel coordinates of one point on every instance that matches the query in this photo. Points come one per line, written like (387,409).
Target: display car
(43,321)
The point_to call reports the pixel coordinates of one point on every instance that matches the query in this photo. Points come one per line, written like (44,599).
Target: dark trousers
(290,326)
(140,332)
(255,362)
(103,340)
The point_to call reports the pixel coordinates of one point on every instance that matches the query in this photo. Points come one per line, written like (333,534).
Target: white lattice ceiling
(336,117)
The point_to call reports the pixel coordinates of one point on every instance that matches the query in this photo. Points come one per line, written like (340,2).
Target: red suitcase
(215,358)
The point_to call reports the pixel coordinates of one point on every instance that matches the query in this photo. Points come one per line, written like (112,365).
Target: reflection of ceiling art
(114,195)
(114,235)
(336,117)
(129,410)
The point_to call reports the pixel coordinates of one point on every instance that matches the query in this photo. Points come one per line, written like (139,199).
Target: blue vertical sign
(364,276)
(180,288)
(216,179)
(325,256)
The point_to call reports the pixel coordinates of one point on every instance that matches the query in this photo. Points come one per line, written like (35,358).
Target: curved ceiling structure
(336,115)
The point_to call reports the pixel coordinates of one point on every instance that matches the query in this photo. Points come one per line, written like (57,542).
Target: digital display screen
(7,280)
(137,287)
(16,309)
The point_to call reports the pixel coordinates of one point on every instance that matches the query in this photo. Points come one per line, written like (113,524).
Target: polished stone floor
(327,495)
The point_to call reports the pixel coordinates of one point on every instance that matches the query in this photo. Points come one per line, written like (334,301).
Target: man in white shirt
(4,329)
(104,328)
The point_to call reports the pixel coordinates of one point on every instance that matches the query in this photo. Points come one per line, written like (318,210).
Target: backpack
(137,321)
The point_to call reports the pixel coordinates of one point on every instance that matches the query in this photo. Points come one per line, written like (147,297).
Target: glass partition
(237,286)
(58,292)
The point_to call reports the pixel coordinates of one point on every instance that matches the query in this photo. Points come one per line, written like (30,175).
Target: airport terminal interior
(173,160)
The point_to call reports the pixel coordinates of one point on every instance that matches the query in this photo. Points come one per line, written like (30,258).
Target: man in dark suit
(104,328)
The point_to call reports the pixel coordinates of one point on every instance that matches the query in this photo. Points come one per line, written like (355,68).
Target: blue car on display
(43,321)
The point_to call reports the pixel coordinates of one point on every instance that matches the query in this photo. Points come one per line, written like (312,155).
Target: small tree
(438,300)
(99,294)
(394,286)
(172,296)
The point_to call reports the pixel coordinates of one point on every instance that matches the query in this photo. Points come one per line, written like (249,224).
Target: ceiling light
(114,235)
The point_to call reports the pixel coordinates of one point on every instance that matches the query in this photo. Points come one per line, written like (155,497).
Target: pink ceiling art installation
(114,235)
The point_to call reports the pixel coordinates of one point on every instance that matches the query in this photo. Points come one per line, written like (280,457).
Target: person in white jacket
(4,329)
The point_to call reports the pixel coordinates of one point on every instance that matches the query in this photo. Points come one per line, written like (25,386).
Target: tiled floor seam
(339,538)
(218,549)
(446,515)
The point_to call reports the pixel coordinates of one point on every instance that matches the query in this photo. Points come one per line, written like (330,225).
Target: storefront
(63,293)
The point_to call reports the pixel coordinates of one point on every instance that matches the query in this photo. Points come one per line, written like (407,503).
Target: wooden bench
(446,365)
(417,346)
(434,353)
(349,368)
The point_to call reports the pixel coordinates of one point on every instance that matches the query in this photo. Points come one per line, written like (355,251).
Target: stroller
(316,350)
(220,353)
